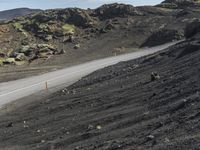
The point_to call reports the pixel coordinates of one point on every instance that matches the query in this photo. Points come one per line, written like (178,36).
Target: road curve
(13,90)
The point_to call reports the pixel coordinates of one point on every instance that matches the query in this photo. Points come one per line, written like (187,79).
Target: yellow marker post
(46,86)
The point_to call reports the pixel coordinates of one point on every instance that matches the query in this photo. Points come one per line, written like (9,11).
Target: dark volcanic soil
(117,108)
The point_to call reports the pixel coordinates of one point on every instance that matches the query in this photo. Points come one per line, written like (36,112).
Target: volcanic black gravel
(117,108)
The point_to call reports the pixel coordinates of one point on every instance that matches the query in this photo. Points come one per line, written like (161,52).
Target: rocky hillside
(174,4)
(13,13)
(75,33)
(151,103)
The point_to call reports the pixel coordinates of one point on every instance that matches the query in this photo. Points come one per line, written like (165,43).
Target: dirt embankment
(148,103)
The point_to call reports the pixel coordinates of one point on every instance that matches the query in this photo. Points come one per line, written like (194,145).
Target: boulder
(9,61)
(154,76)
(48,38)
(68,29)
(69,38)
(44,55)
(20,57)
(77,46)
(45,46)
(80,18)
(62,51)
(35,49)
(28,50)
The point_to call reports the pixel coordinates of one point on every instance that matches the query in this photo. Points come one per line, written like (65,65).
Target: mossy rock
(9,61)
(9,52)
(68,29)
(1,61)
(19,27)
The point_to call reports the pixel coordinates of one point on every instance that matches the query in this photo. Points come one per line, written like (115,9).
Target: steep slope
(148,103)
(13,13)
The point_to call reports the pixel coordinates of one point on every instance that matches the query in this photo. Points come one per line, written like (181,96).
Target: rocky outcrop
(57,23)
(80,18)
(116,10)
(27,53)
(38,51)
(179,3)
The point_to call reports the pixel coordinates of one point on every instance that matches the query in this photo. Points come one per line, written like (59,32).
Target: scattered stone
(146,113)
(77,46)
(77,148)
(43,141)
(90,127)
(48,37)
(25,125)
(154,76)
(69,38)
(150,137)
(73,92)
(167,140)
(9,125)
(98,127)
(102,30)
(20,57)
(62,51)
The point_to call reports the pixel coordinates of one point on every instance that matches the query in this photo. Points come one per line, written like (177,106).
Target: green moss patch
(68,29)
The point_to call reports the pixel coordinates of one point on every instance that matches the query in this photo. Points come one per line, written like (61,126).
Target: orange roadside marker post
(46,86)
